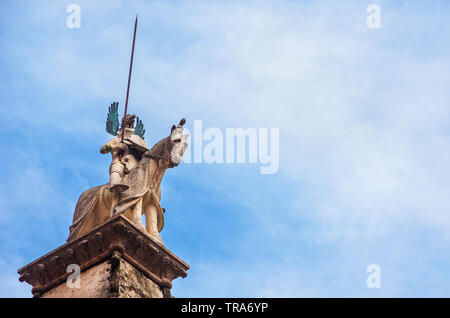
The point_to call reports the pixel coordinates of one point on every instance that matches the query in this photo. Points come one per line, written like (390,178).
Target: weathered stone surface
(146,263)
(94,283)
(101,281)
(134,284)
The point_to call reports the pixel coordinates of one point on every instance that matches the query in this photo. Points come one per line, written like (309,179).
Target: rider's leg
(152,222)
(137,214)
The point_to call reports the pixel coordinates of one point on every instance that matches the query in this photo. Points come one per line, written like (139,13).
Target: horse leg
(137,214)
(113,199)
(151,220)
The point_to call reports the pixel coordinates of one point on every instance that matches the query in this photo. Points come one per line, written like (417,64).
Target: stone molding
(118,234)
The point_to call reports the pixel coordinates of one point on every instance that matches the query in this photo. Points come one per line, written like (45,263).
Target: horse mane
(159,149)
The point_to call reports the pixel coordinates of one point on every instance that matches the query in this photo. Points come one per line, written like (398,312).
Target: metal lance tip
(129,75)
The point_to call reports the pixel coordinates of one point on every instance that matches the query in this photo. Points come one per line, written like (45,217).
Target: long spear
(129,78)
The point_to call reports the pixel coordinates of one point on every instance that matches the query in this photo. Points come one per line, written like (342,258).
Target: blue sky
(363,116)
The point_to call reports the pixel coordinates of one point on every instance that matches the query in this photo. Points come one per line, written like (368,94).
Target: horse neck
(158,176)
(162,150)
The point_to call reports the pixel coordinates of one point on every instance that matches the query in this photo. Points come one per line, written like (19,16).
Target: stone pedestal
(116,259)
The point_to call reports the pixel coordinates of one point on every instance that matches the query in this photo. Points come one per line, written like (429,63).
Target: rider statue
(134,187)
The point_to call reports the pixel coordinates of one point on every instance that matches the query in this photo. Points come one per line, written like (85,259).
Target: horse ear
(173,128)
(182,122)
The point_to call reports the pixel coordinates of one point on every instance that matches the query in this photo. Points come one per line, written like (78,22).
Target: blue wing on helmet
(112,120)
(139,129)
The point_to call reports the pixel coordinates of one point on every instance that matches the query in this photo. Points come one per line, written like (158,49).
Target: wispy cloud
(363,118)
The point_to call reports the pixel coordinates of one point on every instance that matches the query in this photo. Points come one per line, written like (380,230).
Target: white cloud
(362,115)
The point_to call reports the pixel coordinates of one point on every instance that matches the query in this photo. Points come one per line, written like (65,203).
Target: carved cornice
(117,234)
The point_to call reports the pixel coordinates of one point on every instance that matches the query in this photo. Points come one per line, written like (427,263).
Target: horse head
(178,144)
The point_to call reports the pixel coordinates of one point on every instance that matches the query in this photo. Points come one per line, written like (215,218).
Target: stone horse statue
(135,182)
